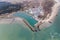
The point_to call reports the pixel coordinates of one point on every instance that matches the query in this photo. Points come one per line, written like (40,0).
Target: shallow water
(30,19)
(20,31)
(14,32)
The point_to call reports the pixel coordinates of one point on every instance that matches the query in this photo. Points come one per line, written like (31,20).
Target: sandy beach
(9,18)
(54,13)
(42,23)
(45,23)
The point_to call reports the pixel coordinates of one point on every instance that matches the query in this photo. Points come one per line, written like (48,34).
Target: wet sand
(10,20)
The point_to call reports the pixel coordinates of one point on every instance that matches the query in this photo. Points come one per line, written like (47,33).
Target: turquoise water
(20,31)
(14,32)
(30,20)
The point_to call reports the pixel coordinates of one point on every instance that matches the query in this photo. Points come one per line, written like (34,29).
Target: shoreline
(54,13)
(41,22)
(50,19)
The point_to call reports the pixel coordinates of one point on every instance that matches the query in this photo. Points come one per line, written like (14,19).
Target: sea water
(20,31)
(27,17)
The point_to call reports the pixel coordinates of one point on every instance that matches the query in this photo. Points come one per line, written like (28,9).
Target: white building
(36,12)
